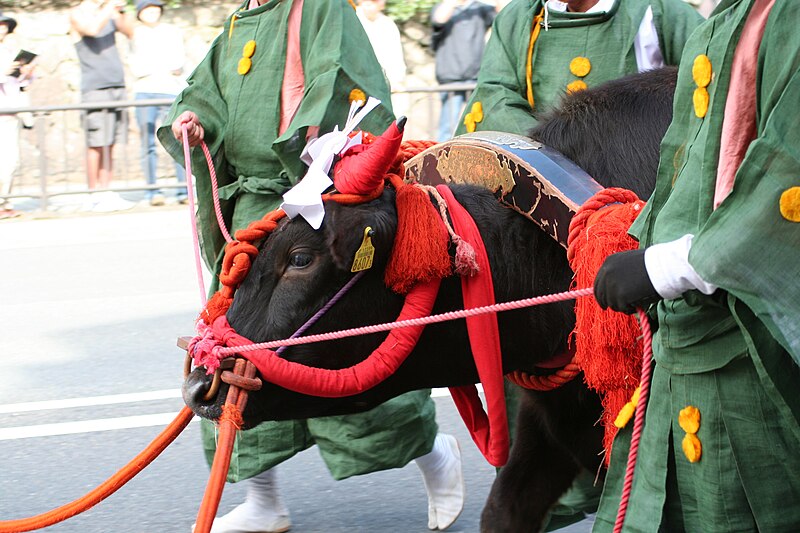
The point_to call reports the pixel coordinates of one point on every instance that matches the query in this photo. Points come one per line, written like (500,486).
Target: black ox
(613,132)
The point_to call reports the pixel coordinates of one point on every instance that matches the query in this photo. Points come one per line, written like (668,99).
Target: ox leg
(556,436)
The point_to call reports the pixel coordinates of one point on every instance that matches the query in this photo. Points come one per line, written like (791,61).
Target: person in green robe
(719,244)
(280,73)
(536,54)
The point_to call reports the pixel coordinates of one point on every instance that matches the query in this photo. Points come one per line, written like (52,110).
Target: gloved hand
(622,283)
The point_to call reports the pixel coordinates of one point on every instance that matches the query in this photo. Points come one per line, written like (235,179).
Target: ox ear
(345,224)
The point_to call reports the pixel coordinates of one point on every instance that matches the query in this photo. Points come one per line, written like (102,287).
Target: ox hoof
(444,482)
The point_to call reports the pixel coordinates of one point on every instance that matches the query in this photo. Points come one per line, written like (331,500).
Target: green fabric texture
(388,436)
(606,40)
(581,498)
(745,246)
(749,472)
(255,167)
(730,354)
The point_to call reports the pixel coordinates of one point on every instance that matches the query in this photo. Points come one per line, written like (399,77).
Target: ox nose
(195,389)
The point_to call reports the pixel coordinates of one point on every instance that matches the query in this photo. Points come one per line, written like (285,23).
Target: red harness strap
(490,432)
(381,363)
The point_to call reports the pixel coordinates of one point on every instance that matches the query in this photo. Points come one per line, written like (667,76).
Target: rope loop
(607,196)
(545,383)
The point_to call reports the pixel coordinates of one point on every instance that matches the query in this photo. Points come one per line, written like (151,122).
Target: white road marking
(90,401)
(86,426)
(104,424)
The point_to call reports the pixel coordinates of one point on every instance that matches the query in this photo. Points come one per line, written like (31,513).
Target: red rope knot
(205,348)
(232,414)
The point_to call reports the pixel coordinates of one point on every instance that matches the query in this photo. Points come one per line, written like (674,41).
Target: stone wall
(46,32)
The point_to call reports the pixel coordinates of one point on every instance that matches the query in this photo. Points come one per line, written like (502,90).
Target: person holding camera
(94,23)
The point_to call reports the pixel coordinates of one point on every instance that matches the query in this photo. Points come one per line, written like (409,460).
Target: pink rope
(638,423)
(215,193)
(187,162)
(433,319)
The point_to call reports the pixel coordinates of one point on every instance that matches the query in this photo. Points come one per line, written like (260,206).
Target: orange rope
(109,486)
(229,423)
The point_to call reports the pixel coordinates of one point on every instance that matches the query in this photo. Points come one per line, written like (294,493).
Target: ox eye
(300,259)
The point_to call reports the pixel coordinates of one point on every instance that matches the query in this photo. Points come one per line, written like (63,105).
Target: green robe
(605,39)
(240,115)
(732,355)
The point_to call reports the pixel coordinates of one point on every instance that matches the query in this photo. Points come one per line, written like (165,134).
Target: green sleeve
(675,20)
(501,88)
(747,247)
(203,96)
(337,58)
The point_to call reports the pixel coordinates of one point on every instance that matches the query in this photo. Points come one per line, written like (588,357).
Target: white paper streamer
(305,198)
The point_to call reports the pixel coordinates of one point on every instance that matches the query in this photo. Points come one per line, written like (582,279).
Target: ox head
(296,273)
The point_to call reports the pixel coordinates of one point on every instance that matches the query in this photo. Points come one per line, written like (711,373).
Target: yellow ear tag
(365,253)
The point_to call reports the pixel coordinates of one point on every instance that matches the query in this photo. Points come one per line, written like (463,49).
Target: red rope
(229,423)
(544,383)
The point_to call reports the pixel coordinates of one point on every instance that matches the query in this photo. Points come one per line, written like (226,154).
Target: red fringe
(420,246)
(216,307)
(607,345)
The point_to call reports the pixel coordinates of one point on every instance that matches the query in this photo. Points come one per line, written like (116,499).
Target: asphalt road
(90,308)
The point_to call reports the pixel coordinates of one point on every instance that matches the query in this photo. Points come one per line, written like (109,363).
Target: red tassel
(466,262)
(607,346)
(363,167)
(420,245)
(216,307)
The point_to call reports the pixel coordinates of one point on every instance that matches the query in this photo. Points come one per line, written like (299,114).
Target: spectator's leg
(9,140)
(145,121)
(106,170)
(94,156)
(445,127)
(459,100)
(180,173)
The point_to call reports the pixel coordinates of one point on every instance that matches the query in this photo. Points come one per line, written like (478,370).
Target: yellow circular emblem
(580,66)
(477,112)
(357,95)
(469,123)
(249,49)
(790,204)
(689,419)
(575,86)
(701,70)
(692,448)
(700,100)
(244,66)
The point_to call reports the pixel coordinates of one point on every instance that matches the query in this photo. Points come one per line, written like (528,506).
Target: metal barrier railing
(53,150)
